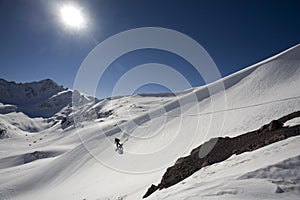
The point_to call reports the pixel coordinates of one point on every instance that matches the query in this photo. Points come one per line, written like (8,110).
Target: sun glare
(72,16)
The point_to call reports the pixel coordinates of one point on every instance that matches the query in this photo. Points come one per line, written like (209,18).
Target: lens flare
(72,16)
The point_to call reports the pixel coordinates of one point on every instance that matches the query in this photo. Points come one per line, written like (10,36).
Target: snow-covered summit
(24,93)
(36,99)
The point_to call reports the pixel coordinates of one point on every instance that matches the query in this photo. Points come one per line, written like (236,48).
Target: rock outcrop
(221,148)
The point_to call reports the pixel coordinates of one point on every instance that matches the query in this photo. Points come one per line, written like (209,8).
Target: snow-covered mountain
(58,143)
(36,99)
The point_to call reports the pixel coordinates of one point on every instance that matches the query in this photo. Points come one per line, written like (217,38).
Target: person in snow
(117,142)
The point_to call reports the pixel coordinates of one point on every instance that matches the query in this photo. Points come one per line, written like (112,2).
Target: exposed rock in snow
(3,133)
(279,190)
(219,149)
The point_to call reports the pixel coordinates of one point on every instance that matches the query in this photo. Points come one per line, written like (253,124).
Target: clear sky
(35,45)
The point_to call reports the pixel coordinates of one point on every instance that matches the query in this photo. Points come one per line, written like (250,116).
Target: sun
(72,16)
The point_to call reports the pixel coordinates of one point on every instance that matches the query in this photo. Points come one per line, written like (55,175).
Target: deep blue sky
(34,45)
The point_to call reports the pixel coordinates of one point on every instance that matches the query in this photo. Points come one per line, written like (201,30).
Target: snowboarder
(117,142)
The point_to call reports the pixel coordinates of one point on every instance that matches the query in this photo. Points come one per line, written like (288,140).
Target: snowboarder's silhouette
(117,142)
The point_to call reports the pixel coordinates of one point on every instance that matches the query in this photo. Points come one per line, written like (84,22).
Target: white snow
(81,162)
(293,122)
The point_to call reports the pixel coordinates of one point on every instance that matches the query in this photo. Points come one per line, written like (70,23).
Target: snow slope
(81,162)
(253,175)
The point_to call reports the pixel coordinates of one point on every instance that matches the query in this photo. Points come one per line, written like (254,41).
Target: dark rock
(279,190)
(179,160)
(104,114)
(67,122)
(289,117)
(261,129)
(275,124)
(63,120)
(152,189)
(205,163)
(219,149)
(3,134)
(45,105)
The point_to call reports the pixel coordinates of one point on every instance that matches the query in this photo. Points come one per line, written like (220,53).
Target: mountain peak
(33,98)
(23,93)
(44,81)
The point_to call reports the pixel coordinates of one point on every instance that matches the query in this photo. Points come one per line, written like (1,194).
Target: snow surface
(252,175)
(80,161)
(293,122)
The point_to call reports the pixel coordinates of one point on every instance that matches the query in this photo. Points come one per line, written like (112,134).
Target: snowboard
(120,149)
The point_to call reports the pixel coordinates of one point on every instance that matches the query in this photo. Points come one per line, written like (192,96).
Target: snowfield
(51,150)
